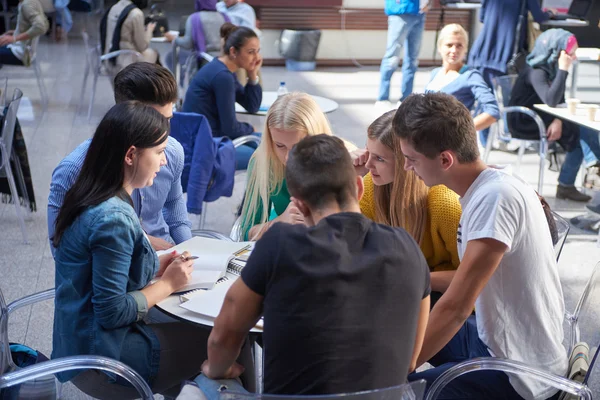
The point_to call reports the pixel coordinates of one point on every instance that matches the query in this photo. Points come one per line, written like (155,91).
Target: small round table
(327,105)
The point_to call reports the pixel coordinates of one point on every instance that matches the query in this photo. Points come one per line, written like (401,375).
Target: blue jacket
(494,46)
(398,7)
(103,261)
(209,163)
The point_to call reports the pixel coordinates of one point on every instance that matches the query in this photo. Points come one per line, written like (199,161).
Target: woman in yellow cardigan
(397,197)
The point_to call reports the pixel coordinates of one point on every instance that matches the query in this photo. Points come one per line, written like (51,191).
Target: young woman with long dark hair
(105,264)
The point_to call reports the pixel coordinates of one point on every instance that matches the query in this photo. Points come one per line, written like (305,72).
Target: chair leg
(94,83)
(86,73)
(41,84)
(21,180)
(259,366)
(522,148)
(14,194)
(490,142)
(203,215)
(543,152)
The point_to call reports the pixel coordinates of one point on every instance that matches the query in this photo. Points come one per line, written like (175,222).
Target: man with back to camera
(161,207)
(345,300)
(507,268)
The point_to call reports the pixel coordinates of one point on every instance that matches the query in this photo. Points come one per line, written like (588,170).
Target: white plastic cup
(572,105)
(592,109)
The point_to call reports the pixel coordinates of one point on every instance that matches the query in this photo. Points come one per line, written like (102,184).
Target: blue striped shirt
(160,207)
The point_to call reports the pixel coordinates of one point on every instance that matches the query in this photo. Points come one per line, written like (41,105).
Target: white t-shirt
(521,309)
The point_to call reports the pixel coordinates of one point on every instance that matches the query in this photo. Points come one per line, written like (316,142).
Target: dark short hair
(319,171)
(146,82)
(436,122)
(235,36)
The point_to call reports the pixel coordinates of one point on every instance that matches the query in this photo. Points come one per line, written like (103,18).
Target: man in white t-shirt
(507,271)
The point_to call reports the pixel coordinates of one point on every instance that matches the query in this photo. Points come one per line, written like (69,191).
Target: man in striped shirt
(160,207)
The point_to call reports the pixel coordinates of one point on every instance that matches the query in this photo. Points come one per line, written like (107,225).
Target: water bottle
(282,89)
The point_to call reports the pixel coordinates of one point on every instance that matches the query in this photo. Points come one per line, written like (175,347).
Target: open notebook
(209,302)
(214,258)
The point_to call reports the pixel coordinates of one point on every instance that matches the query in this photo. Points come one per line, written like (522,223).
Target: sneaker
(383,106)
(592,177)
(571,193)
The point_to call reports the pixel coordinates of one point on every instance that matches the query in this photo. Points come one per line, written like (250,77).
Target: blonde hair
(450,30)
(292,112)
(408,209)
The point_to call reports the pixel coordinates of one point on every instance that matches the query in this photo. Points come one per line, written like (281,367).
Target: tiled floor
(50,135)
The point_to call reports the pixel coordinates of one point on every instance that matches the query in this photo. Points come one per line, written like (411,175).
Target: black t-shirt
(341,304)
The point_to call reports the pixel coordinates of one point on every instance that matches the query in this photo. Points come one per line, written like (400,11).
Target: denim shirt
(102,262)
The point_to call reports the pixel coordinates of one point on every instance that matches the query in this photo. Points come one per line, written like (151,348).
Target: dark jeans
(489,385)
(7,57)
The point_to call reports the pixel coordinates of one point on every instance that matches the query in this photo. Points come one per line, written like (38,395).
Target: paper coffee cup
(592,109)
(572,105)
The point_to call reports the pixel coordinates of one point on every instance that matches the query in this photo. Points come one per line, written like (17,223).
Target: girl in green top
(290,118)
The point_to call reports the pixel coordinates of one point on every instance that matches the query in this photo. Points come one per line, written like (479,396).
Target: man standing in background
(406,22)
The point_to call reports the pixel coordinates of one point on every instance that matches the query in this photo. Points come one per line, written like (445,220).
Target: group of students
(343,282)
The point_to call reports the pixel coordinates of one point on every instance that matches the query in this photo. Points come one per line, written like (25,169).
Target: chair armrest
(509,367)
(74,363)
(237,142)
(206,56)
(210,234)
(117,53)
(31,299)
(524,110)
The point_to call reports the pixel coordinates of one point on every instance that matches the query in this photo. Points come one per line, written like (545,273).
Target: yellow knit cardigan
(443,217)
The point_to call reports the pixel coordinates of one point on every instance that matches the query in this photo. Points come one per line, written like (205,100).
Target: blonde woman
(397,197)
(460,80)
(289,120)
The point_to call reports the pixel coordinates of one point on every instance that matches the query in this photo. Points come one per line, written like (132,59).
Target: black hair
(319,171)
(126,124)
(436,122)
(146,82)
(141,4)
(235,36)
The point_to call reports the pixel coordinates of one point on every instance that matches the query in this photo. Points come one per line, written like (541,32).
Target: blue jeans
(474,385)
(244,152)
(212,388)
(589,147)
(405,28)
(7,57)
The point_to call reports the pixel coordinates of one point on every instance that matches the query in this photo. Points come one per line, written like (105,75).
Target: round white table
(327,105)
(171,307)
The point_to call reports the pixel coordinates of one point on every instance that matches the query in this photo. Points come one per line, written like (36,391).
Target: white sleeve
(496,215)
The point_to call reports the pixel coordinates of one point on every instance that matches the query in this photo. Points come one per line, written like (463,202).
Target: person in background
(507,268)
(395,197)
(544,81)
(202,33)
(494,46)
(462,81)
(345,300)
(31,23)
(240,13)
(160,208)
(406,22)
(125,20)
(290,118)
(215,89)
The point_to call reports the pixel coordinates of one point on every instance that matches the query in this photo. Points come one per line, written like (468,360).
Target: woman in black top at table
(543,81)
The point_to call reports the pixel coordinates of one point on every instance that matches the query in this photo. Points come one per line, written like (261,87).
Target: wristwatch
(254,82)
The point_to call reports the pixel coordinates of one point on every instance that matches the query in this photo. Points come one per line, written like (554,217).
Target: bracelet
(254,82)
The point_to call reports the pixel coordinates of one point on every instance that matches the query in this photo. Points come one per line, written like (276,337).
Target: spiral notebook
(215,258)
